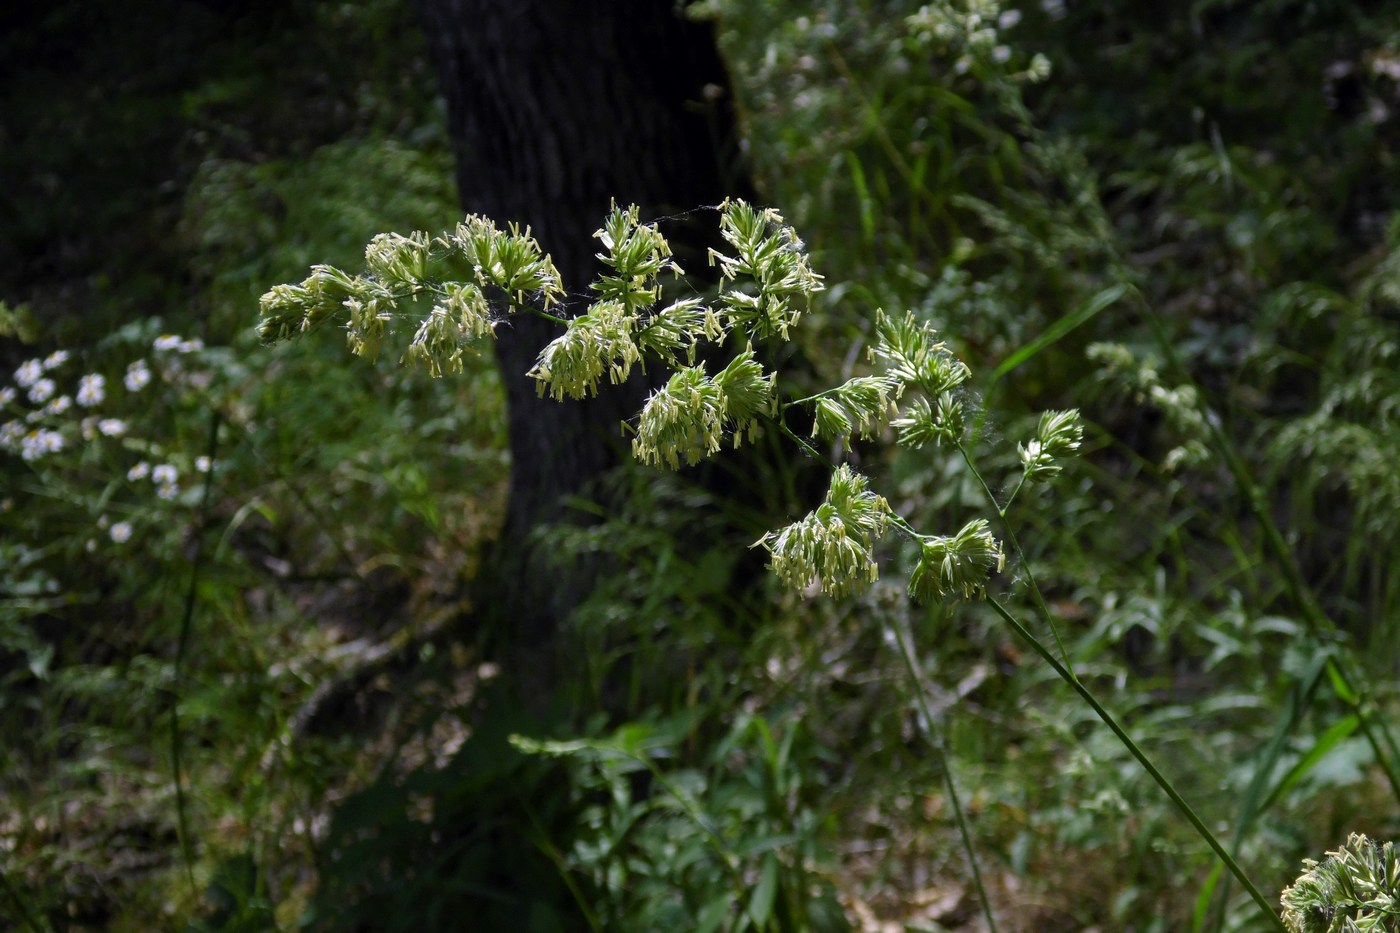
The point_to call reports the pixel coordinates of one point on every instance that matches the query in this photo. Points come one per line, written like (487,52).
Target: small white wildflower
(1008,19)
(165,474)
(58,406)
(56,359)
(191,346)
(1386,66)
(10,434)
(1039,69)
(1001,54)
(29,373)
(41,390)
(103,521)
(168,491)
(121,532)
(7,395)
(92,389)
(140,471)
(35,416)
(203,464)
(38,443)
(137,377)
(167,342)
(112,427)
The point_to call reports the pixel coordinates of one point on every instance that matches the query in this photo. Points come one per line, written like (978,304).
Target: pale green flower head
(593,345)
(511,261)
(939,423)
(691,415)
(832,546)
(679,326)
(638,254)
(862,404)
(392,257)
(1356,889)
(771,256)
(288,311)
(748,394)
(449,329)
(1058,436)
(372,311)
(682,419)
(956,565)
(914,356)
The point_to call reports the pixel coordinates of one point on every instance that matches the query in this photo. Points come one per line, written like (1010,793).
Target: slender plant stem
(551,852)
(1015,543)
(186,624)
(935,739)
(1109,720)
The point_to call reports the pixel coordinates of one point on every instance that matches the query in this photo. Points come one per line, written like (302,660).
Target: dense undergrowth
(242,564)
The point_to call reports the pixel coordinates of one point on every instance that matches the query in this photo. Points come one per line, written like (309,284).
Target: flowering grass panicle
(956,566)
(833,545)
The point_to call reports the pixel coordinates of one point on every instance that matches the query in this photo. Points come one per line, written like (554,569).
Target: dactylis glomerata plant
(469,279)
(452,290)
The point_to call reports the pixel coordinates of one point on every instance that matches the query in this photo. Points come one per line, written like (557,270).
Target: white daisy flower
(140,471)
(92,389)
(29,373)
(10,434)
(56,359)
(168,491)
(41,390)
(121,532)
(7,395)
(203,464)
(58,406)
(112,427)
(38,443)
(138,376)
(165,475)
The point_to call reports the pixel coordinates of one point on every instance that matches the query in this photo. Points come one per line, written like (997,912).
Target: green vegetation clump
(1089,622)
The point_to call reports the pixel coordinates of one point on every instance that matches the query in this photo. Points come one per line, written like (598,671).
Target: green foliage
(738,832)
(1126,233)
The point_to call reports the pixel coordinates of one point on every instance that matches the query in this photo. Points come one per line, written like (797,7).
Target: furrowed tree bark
(556,108)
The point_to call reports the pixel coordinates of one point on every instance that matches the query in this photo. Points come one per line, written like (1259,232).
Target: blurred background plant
(1179,220)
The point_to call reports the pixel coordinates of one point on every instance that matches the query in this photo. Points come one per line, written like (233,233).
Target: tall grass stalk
(936,742)
(1066,673)
(1157,776)
(186,625)
(1015,543)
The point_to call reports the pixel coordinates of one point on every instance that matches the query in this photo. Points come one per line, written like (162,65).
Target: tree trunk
(555,109)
